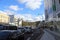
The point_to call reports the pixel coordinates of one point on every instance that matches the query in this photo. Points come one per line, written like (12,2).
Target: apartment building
(52,10)
(15,21)
(4,18)
(48,10)
(9,19)
(18,21)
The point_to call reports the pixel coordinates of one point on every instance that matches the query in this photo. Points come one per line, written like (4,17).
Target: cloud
(3,12)
(15,7)
(32,4)
(30,17)
(7,12)
(26,17)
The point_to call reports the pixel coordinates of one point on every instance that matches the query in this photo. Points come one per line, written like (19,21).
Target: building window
(54,1)
(54,6)
(59,1)
(59,15)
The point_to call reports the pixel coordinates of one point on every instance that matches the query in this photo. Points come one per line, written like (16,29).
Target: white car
(28,29)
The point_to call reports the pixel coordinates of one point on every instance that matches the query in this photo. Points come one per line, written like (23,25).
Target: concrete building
(48,10)
(57,9)
(52,10)
(11,20)
(15,21)
(4,18)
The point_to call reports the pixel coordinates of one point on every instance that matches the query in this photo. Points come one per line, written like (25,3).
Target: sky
(28,10)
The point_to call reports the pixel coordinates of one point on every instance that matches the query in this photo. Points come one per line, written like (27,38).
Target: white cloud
(30,17)
(25,17)
(3,12)
(7,12)
(32,4)
(40,17)
(15,7)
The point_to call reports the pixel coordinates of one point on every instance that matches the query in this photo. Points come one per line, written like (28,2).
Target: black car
(6,34)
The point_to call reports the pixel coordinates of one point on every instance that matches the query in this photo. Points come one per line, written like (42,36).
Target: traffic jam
(21,33)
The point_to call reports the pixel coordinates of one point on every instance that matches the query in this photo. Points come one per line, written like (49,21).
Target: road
(47,36)
(25,36)
(36,35)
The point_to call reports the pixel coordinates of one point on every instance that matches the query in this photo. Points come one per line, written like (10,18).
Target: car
(1,27)
(5,34)
(28,29)
(10,34)
(21,29)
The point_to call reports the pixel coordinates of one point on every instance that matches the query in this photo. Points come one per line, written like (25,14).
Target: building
(4,18)
(11,20)
(15,21)
(52,10)
(48,10)
(57,3)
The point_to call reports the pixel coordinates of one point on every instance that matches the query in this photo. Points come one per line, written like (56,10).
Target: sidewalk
(47,36)
(55,34)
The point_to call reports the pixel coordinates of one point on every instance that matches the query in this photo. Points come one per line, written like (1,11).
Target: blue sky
(27,9)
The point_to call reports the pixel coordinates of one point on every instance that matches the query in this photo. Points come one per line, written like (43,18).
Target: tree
(37,23)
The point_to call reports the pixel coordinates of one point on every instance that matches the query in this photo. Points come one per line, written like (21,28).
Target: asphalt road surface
(36,35)
(27,36)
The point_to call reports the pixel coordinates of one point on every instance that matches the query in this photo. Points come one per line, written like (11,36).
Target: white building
(48,10)
(52,10)
(15,21)
(11,20)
